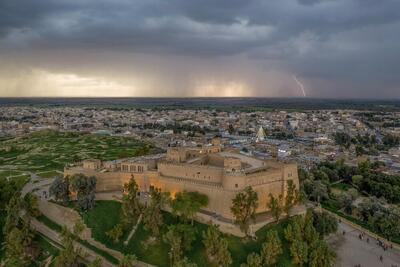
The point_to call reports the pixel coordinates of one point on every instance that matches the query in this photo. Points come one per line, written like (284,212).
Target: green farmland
(45,153)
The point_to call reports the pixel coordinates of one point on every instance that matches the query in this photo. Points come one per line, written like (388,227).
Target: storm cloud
(337,48)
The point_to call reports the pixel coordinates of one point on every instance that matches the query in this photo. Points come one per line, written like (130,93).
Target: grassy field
(46,152)
(106,214)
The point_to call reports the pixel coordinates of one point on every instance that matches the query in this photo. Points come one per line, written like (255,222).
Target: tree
(390,140)
(271,249)
(15,250)
(128,261)
(173,239)
(13,209)
(8,188)
(316,190)
(299,252)
(244,206)
(231,129)
(211,240)
(357,179)
(30,205)
(184,263)
(18,235)
(253,260)
(275,205)
(69,255)
(342,139)
(78,227)
(291,197)
(324,223)
(360,150)
(131,207)
(382,219)
(303,239)
(115,233)
(310,235)
(84,187)
(97,262)
(60,190)
(216,247)
(321,255)
(346,202)
(187,234)
(179,237)
(294,231)
(152,217)
(321,176)
(187,204)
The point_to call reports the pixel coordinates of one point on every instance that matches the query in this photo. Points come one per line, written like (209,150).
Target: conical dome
(260,134)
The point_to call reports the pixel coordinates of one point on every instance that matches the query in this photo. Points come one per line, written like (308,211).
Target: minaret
(260,134)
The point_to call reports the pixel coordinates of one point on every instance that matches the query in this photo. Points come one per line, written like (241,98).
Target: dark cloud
(343,42)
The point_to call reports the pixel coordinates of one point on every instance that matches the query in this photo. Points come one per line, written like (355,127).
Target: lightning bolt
(300,85)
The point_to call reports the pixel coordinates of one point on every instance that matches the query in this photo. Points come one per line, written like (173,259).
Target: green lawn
(48,151)
(106,214)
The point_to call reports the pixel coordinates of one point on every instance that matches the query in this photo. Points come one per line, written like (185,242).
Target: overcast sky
(334,48)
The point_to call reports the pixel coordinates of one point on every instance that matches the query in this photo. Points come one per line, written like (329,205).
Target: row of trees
(245,203)
(306,244)
(271,249)
(177,128)
(380,218)
(283,205)
(366,144)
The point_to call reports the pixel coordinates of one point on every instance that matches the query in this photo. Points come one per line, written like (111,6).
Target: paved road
(352,251)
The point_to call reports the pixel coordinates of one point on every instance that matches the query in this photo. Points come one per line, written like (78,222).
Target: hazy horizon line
(201,97)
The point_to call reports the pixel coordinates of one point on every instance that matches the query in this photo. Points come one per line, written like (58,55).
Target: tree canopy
(244,207)
(84,187)
(187,204)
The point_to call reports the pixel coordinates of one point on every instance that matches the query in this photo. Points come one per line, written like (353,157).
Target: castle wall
(195,172)
(220,187)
